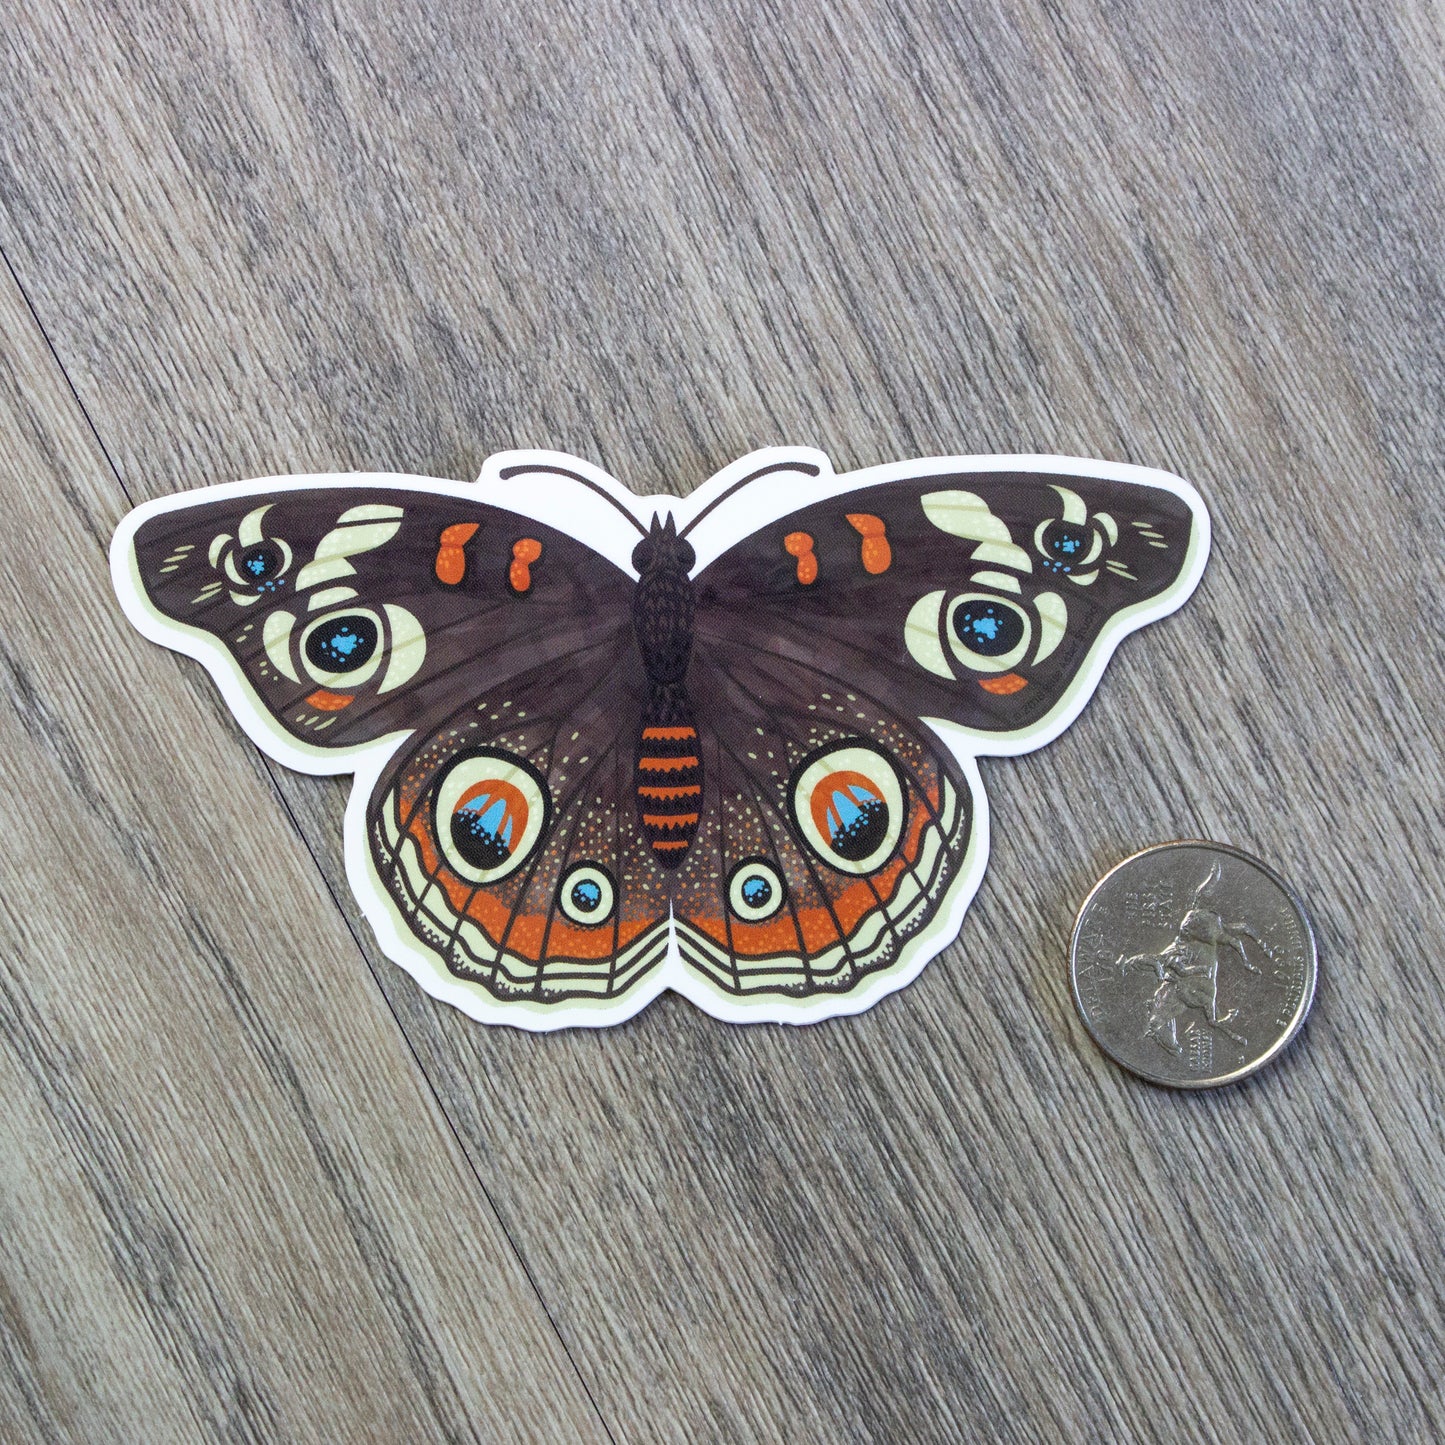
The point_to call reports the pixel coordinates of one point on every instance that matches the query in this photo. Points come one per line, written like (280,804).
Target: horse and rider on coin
(1188,970)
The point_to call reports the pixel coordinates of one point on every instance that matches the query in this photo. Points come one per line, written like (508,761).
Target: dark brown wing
(979,598)
(349,612)
(496,850)
(840,851)
(834,859)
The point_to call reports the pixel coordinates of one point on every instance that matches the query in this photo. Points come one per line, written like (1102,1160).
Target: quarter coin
(1192,964)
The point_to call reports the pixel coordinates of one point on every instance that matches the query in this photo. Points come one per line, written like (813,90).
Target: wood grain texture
(218,1219)
(263,238)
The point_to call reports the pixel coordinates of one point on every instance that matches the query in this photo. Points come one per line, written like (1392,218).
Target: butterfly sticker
(607,745)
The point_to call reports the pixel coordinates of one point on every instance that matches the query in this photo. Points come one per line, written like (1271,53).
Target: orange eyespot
(877,554)
(848,811)
(800,545)
(451,565)
(1004,685)
(524,553)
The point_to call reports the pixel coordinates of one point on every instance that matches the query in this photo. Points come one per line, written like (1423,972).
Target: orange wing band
(1003,686)
(324,701)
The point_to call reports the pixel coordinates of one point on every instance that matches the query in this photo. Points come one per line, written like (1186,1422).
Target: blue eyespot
(342,644)
(988,628)
(756,890)
(487,821)
(260,567)
(855,817)
(587,894)
(490,811)
(850,805)
(261,562)
(1064,545)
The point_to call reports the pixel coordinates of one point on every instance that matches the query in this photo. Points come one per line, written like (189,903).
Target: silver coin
(1192,964)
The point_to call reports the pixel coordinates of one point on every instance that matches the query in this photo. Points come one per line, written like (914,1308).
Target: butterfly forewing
(348,612)
(972,597)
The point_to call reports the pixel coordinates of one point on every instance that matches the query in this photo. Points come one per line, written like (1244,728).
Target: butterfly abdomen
(668,778)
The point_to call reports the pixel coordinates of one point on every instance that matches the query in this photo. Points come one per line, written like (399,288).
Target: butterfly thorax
(668,775)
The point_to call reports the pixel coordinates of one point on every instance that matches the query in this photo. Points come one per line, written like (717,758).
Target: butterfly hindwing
(507,848)
(839,832)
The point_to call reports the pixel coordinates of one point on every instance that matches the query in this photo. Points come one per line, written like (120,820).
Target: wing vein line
(807,863)
(934,817)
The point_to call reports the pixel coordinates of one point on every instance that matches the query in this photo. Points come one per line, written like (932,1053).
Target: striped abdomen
(669,780)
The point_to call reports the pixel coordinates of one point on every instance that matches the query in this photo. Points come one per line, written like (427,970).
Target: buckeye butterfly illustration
(607,745)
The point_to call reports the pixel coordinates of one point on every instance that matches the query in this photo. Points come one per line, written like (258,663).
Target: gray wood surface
(255,1185)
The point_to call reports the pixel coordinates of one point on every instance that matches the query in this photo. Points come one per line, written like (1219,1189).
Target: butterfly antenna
(806,468)
(507,473)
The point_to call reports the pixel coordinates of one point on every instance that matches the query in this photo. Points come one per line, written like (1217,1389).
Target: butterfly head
(663,551)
